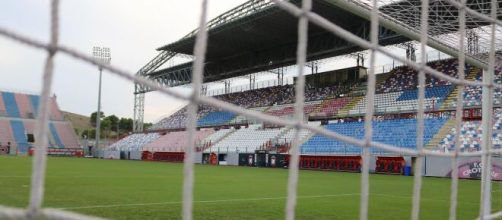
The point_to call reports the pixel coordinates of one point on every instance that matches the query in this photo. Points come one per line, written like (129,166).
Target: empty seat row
(398,132)
(404,100)
(18,105)
(16,131)
(471,135)
(246,139)
(134,142)
(176,141)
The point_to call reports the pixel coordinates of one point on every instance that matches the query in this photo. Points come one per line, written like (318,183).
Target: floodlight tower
(102,55)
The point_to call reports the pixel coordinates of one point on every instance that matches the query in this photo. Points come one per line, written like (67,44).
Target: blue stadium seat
(10,104)
(35,101)
(55,134)
(399,132)
(439,92)
(216,118)
(19,135)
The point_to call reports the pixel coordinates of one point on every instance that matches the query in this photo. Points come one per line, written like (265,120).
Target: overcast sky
(132,29)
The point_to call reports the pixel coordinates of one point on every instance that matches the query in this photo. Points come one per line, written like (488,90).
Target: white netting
(425,35)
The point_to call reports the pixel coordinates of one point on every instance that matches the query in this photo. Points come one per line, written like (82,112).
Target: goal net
(446,30)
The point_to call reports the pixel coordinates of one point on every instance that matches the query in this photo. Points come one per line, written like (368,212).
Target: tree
(106,124)
(89,133)
(93,118)
(114,121)
(147,125)
(125,124)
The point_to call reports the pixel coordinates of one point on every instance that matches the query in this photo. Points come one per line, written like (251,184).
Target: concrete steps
(323,104)
(224,136)
(345,110)
(380,78)
(445,130)
(471,76)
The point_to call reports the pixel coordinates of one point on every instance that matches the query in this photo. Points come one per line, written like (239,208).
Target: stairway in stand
(322,106)
(445,130)
(343,112)
(452,98)
(359,93)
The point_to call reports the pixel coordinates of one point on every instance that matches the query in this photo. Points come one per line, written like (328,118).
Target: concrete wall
(233,159)
(136,155)
(468,167)
(107,154)
(198,157)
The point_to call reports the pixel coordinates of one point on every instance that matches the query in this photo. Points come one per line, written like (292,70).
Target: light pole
(102,55)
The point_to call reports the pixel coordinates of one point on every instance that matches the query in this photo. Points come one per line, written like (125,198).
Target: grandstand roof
(266,28)
(266,39)
(258,36)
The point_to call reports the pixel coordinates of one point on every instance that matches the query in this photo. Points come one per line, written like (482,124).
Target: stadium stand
(55,112)
(279,97)
(6,134)
(29,126)
(175,141)
(287,138)
(55,135)
(10,104)
(134,141)
(404,100)
(3,112)
(331,106)
(66,134)
(217,136)
(399,132)
(472,94)
(470,135)
(35,102)
(24,105)
(246,139)
(288,110)
(260,97)
(396,93)
(17,113)
(216,118)
(176,120)
(404,78)
(19,135)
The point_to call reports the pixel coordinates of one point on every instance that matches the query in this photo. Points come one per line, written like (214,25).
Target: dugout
(125,155)
(246,159)
(209,158)
(262,158)
(214,158)
(390,165)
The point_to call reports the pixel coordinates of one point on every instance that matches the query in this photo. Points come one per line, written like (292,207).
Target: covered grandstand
(258,36)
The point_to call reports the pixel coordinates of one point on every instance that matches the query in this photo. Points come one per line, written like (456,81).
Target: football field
(152,190)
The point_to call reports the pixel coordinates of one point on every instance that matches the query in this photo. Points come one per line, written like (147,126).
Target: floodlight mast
(102,55)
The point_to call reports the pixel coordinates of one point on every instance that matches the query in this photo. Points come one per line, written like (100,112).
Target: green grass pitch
(152,190)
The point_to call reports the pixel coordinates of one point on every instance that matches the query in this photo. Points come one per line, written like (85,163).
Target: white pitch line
(409,197)
(15,176)
(204,201)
